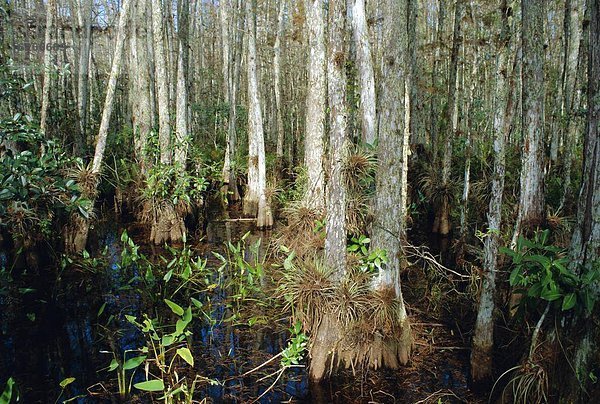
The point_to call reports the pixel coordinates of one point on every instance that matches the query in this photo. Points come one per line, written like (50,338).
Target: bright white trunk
(315,106)
(110,90)
(50,13)
(162,86)
(365,70)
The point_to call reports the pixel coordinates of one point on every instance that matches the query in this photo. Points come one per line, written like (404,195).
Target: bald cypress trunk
(77,231)
(162,85)
(315,106)
(255,200)
(50,20)
(585,244)
(389,223)
(483,339)
(328,332)
(366,73)
(277,84)
(531,200)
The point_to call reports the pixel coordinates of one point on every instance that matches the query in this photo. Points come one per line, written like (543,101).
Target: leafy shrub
(35,188)
(541,272)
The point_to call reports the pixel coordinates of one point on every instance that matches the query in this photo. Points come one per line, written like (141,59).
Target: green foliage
(170,182)
(34,186)
(541,272)
(369,262)
(296,348)
(123,366)
(9,392)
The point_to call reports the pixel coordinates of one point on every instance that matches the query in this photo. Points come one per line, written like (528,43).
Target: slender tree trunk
(483,339)
(182,103)
(141,109)
(450,119)
(50,18)
(531,201)
(366,73)
(77,232)
(571,94)
(315,106)
(255,200)
(277,83)
(162,85)
(85,24)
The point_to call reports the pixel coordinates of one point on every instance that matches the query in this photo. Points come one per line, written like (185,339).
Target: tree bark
(315,106)
(77,233)
(483,339)
(531,200)
(366,73)
(162,85)
(277,83)
(389,223)
(585,244)
(255,200)
(50,18)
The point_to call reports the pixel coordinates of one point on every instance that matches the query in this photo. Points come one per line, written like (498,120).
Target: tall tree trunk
(366,73)
(315,106)
(182,103)
(50,19)
(162,85)
(277,83)
(77,232)
(585,244)
(255,200)
(451,122)
(571,94)
(85,24)
(141,99)
(483,339)
(389,223)
(531,200)
(328,331)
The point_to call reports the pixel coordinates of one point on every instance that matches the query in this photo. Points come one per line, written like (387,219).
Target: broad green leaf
(133,362)
(177,309)
(196,302)
(113,365)
(167,340)
(66,382)
(150,385)
(8,392)
(186,355)
(569,301)
(168,275)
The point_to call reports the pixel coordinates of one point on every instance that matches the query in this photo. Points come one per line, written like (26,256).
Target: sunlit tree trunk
(389,229)
(50,19)
(77,233)
(328,332)
(255,200)
(366,73)
(315,106)
(224,14)
(182,129)
(483,339)
(277,83)
(531,200)
(162,85)
(141,99)
(85,24)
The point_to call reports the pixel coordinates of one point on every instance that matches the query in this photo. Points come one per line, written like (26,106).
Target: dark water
(56,330)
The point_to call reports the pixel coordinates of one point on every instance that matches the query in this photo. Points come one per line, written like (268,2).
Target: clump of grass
(303,232)
(528,384)
(86,179)
(308,290)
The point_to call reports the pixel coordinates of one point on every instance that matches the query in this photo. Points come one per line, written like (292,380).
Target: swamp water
(55,327)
